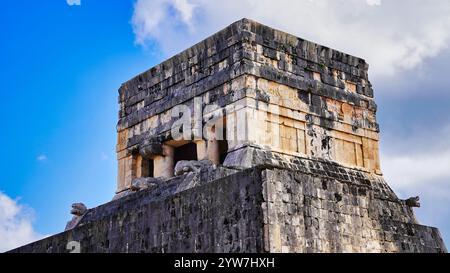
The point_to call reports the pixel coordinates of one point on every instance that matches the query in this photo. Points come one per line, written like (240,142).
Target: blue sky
(62,65)
(61,68)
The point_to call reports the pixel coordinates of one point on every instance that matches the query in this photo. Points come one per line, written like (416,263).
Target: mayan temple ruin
(252,140)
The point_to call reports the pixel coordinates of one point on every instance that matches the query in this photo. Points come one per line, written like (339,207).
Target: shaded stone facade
(296,170)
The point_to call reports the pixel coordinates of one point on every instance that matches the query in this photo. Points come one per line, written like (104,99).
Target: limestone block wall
(331,213)
(220,216)
(159,125)
(325,107)
(298,133)
(309,206)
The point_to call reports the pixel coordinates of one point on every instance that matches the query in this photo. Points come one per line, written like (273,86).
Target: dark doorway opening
(223,150)
(223,142)
(185,152)
(151,168)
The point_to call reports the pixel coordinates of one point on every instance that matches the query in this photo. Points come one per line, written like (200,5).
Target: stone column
(142,167)
(212,147)
(202,152)
(213,151)
(164,165)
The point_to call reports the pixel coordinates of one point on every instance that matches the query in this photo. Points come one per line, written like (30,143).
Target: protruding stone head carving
(143,183)
(413,202)
(186,166)
(78,209)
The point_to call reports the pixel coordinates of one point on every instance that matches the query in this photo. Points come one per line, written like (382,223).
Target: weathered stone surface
(150,150)
(184,167)
(326,214)
(144,183)
(261,209)
(221,216)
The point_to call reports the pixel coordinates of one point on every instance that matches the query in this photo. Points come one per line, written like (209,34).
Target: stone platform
(315,207)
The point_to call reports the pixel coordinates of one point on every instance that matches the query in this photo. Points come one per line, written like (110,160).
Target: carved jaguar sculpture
(413,202)
(143,183)
(185,166)
(78,211)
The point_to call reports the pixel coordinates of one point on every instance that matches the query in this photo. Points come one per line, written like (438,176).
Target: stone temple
(252,140)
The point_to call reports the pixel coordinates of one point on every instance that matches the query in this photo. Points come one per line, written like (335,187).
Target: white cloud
(420,162)
(416,170)
(15,224)
(41,157)
(392,35)
(73,2)
(373,2)
(152,19)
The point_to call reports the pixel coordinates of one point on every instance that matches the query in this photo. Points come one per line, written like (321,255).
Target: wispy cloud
(16,227)
(392,35)
(73,2)
(417,170)
(419,160)
(41,157)
(373,2)
(104,156)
